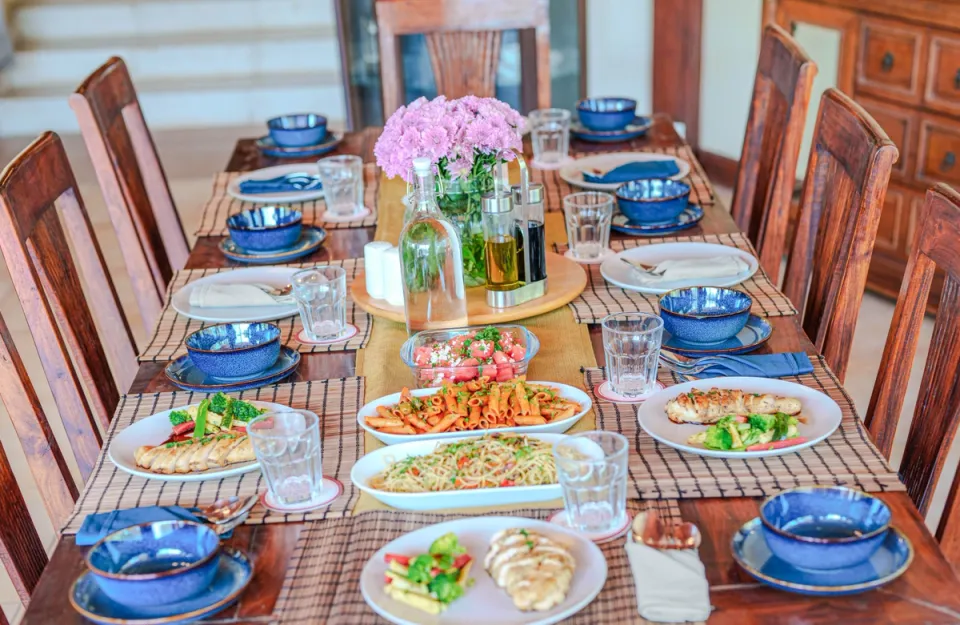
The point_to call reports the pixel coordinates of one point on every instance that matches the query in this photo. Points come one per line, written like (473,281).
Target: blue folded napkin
(96,526)
(763,366)
(637,170)
(281,184)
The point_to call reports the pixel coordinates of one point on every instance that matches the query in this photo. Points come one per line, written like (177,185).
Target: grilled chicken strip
(708,407)
(535,570)
(202,454)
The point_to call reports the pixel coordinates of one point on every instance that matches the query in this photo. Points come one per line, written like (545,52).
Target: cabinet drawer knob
(956,80)
(949,160)
(886,63)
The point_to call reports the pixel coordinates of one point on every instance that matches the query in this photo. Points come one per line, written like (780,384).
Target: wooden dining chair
(463,40)
(846,181)
(771,145)
(937,413)
(39,204)
(133,182)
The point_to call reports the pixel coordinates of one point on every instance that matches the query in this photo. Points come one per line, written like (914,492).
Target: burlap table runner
(600,298)
(173,328)
(213,221)
(556,188)
(336,403)
(847,458)
(323,578)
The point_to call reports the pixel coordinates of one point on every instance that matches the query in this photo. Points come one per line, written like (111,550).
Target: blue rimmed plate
(329,143)
(232,577)
(888,563)
(311,238)
(752,336)
(183,374)
(637,128)
(690,216)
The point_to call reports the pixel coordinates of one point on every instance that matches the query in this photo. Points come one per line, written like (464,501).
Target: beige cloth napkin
(231,296)
(693,269)
(671,584)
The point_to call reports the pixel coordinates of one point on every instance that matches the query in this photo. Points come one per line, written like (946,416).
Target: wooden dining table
(929,592)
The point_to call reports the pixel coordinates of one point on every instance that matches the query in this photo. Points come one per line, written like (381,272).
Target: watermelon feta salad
(498,353)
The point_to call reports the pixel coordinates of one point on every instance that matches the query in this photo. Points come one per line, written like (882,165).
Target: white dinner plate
(376,461)
(617,272)
(484,602)
(822,413)
(573,172)
(286,197)
(273,276)
(554,427)
(155,429)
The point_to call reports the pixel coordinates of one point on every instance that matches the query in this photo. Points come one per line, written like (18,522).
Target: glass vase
(459,201)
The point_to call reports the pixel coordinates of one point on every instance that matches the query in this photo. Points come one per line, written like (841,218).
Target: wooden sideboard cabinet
(900,59)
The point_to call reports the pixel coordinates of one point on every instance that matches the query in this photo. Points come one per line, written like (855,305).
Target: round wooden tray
(565,281)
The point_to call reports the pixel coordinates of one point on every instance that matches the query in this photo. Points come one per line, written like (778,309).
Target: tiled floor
(191,158)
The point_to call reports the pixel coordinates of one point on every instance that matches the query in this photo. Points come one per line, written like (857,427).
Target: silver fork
(678,366)
(642,268)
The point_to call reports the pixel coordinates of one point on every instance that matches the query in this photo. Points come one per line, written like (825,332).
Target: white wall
(620,50)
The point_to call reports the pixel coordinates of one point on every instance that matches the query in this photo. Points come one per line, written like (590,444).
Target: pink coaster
(550,166)
(605,253)
(349,332)
(604,392)
(560,518)
(360,213)
(331,490)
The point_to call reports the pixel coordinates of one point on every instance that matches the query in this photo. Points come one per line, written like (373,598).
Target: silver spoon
(650,271)
(649,529)
(224,511)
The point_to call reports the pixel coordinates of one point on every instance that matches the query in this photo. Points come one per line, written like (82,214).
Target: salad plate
(275,277)
(573,171)
(690,216)
(230,580)
(375,462)
(183,374)
(637,128)
(281,197)
(484,602)
(311,239)
(156,429)
(559,426)
(890,561)
(821,415)
(619,273)
(269,147)
(754,334)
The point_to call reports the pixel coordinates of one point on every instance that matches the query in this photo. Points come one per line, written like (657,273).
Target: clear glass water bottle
(431,260)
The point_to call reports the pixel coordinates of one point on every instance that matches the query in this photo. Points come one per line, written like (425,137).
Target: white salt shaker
(392,277)
(373,267)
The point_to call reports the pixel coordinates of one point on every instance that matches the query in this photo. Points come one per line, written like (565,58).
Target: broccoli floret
(445,587)
(218,403)
(762,421)
(447,545)
(418,571)
(243,411)
(718,438)
(179,416)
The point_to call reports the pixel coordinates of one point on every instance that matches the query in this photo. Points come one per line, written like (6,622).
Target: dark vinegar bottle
(534,236)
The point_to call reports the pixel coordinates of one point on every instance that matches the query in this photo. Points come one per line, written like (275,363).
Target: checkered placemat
(556,188)
(173,328)
(600,298)
(846,458)
(213,222)
(322,583)
(336,403)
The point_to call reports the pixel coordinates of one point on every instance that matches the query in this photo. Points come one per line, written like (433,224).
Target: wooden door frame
(677,43)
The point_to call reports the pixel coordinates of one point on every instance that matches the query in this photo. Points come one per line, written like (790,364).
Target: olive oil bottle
(501,252)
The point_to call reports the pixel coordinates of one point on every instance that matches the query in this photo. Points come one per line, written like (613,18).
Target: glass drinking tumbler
(287,445)
(631,346)
(342,180)
(321,294)
(588,216)
(550,135)
(592,467)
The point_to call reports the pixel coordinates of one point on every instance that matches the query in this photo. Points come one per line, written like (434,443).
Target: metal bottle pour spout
(500,199)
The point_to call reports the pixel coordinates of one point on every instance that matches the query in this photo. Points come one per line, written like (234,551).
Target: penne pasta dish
(478,404)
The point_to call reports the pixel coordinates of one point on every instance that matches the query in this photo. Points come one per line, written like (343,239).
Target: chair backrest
(771,145)
(847,175)
(39,202)
(134,186)
(463,39)
(937,413)
(21,550)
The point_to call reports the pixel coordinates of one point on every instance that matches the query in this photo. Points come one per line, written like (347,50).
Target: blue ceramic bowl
(824,527)
(266,228)
(653,201)
(297,131)
(704,314)
(234,350)
(155,563)
(606,113)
